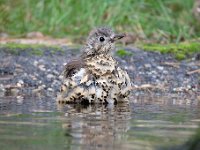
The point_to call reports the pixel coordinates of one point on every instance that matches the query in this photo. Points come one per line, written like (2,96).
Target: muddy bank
(29,71)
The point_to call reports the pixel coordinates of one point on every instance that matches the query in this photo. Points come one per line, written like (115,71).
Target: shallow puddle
(32,123)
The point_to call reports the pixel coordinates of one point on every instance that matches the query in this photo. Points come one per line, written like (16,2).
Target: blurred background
(161,21)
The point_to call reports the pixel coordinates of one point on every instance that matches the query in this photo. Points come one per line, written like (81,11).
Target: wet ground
(37,71)
(164,108)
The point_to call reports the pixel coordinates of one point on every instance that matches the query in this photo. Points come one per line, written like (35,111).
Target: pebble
(20,83)
(19,70)
(42,67)
(50,76)
(154,72)
(33,77)
(35,63)
(165,72)
(55,72)
(40,82)
(2,90)
(160,68)
(147,65)
(20,99)
(39,89)
(50,89)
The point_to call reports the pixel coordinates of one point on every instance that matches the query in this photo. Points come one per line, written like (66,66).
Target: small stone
(48,70)
(147,65)
(35,63)
(40,82)
(154,72)
(154,76)
(160,68)
(50,76)
(189,87)
(55,72)
(33,77)
(50,89)
(165,72)
(42,67)
(179,89)
(131,68)
(2,90)
(42,86)
(20,99)
(18,70)
(20,83)
(39,89)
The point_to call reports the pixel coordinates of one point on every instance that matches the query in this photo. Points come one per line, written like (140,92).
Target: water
(39,123)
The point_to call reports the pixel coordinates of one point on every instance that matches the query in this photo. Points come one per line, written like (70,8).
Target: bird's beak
(117,37)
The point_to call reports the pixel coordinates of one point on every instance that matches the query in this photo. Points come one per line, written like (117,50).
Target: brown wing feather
(72,67)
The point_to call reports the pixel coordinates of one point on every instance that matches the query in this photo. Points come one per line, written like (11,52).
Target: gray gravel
(151,72)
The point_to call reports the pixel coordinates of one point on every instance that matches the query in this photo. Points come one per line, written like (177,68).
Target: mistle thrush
(96,76)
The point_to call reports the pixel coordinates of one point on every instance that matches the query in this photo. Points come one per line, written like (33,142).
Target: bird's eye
(101,39)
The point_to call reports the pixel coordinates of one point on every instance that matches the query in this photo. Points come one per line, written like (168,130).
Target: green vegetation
(43,132)
(122,53)
(35,49)
(158,21)
(194,142)
(150,19)
(181,50)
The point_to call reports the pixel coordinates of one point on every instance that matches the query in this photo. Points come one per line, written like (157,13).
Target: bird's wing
(73,67)
(77,82)
(76,73)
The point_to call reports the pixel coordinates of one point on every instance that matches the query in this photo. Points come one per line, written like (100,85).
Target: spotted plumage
(95,77)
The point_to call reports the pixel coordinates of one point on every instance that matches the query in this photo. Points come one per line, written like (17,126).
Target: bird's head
(101,41)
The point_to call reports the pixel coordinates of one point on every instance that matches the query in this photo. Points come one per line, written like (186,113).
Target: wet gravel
(25,74)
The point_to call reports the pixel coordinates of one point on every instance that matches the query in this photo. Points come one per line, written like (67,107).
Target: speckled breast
(114,82)
(101,65)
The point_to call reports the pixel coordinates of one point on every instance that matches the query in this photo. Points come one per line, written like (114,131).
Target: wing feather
(72,67)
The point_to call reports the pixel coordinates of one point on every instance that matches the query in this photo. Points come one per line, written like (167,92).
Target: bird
(95,77)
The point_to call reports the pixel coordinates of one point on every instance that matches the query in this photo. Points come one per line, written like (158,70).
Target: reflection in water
(97,126)
(147,123)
